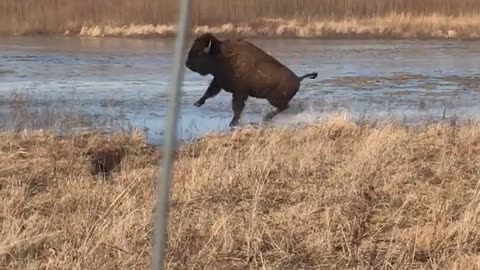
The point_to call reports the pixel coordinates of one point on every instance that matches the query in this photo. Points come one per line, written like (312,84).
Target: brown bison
(241,68)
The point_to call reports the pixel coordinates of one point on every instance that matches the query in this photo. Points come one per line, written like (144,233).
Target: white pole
(169,147)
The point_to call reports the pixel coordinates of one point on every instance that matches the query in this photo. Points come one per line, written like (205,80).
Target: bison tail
(309,75)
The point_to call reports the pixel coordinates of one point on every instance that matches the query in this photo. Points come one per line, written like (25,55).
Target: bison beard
(244,70)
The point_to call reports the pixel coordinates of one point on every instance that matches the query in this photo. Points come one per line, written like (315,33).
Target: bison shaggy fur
(244,70)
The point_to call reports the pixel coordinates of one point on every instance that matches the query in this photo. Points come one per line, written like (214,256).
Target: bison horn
(207,49)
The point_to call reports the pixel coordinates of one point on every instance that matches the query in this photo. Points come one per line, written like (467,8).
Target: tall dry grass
(334,195)
(147,17)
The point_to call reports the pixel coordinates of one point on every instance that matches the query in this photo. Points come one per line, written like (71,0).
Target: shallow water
(129,79)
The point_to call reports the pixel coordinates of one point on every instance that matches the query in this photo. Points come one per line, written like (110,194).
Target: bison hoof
(233,123)
(199,103)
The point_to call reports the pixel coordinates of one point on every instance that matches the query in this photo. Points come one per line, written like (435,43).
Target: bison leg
(238,103)
(280,105)
(212,90)
(270,115)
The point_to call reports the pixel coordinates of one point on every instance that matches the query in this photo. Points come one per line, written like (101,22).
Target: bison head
(201,56)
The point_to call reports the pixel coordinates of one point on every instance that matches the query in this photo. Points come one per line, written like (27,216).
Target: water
(129,78)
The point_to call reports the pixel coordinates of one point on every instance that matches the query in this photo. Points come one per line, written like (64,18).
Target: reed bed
(276,18)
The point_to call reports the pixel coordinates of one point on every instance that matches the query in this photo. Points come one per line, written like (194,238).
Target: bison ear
(209,47)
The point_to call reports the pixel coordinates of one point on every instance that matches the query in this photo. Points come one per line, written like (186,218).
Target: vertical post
(161,213)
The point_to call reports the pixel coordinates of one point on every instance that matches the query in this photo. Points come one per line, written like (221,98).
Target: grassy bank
(333,195)
(277,18)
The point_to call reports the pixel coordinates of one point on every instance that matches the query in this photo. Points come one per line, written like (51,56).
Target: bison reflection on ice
(244,70)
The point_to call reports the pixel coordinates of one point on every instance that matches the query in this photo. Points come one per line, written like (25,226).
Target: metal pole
(161,219)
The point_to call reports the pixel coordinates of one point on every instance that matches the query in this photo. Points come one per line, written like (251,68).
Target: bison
(244,70)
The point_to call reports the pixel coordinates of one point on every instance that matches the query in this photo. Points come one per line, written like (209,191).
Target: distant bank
(327,19)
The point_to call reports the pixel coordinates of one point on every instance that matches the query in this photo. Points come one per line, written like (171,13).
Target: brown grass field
(272,18)
(333,195)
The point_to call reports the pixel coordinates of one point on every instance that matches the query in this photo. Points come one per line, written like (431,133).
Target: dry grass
(147,17)
(333,195)
(394,26)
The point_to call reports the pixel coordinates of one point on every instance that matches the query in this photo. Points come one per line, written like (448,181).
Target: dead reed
(334,195)
(67,16)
